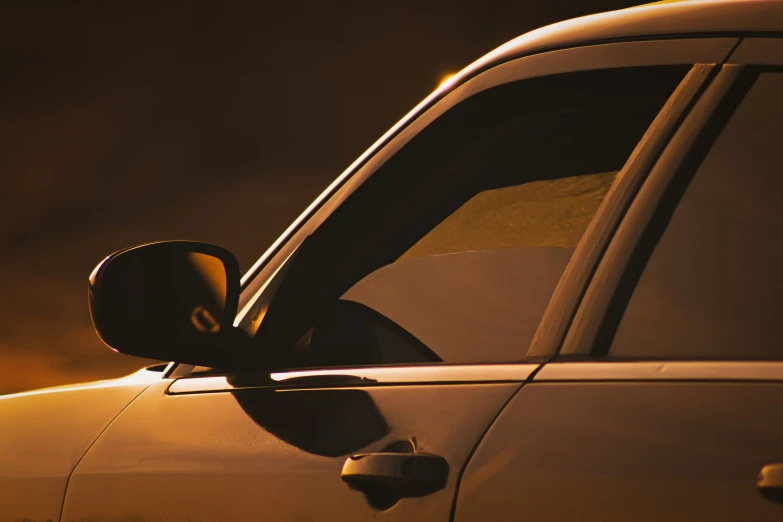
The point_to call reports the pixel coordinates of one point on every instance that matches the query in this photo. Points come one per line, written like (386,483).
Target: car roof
(681,18)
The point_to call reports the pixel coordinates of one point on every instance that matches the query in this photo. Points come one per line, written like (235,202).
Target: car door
(399,326)
(666,401)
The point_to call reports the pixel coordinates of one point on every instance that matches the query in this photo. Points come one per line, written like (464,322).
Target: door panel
(623,451)
(274,453)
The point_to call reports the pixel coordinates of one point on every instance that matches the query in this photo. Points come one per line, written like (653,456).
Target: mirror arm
(230,351)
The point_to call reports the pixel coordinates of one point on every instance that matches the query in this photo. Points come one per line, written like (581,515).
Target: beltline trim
(342,377)
(662,371)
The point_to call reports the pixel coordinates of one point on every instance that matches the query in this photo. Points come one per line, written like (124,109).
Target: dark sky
(217,122)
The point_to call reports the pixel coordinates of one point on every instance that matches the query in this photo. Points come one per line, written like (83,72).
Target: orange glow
(142,376)
(447,80)
(94,273)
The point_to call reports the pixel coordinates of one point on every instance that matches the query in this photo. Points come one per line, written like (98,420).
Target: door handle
(770,482)
(408,474)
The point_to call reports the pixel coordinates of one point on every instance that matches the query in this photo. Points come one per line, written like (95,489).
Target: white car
(552,291)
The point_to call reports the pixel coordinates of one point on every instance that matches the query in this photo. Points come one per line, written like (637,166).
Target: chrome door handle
(408,474)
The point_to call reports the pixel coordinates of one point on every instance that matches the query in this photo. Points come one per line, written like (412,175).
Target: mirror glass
(146,297)
(211,273)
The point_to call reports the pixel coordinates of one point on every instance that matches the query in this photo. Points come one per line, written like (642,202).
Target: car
(550,292)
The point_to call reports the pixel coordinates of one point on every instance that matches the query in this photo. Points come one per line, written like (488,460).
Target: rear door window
(713,285)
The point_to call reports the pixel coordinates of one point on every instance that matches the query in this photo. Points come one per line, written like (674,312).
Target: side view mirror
(172,301)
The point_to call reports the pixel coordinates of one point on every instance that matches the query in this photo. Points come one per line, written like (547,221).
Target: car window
(475,287)
(452,249)
(713,285)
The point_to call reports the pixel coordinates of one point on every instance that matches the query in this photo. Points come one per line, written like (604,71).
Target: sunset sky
(122,125)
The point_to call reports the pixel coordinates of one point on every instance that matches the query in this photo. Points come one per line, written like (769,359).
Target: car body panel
(274,454)
(641,451)
(661,19)
(46,432)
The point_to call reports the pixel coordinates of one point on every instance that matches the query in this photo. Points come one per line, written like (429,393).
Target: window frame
(629,54)
(587,58)
(602,307)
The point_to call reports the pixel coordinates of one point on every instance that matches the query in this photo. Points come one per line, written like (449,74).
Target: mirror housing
(171,301)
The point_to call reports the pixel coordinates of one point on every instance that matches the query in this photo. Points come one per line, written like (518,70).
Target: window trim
(664,370)
(434,374)
(698,131)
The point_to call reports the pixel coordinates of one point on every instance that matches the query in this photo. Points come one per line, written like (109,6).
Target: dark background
(215,122)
